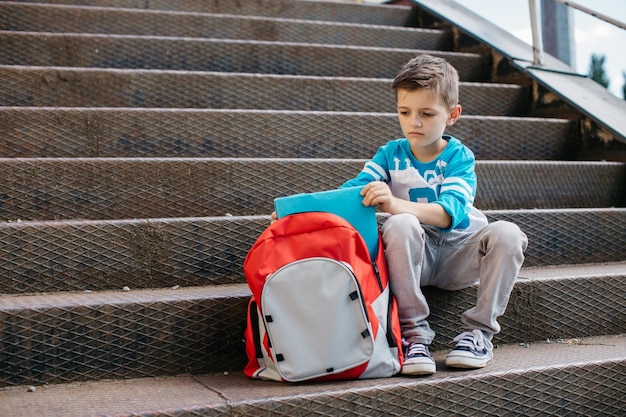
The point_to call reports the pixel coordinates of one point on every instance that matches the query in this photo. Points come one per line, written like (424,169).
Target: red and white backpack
(321,308)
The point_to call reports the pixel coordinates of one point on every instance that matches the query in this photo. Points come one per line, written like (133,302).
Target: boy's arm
(378,193)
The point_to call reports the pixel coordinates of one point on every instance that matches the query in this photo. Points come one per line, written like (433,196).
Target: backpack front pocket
(315,318)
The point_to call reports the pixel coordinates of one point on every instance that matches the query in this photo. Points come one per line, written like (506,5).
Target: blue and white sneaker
(417,360)
(472,351)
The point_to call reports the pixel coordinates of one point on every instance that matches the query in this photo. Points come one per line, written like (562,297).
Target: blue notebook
(344,202)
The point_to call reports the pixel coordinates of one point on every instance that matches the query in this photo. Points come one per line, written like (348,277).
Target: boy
(434,235)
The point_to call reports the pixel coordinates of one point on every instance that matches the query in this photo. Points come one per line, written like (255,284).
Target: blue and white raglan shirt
(448,180)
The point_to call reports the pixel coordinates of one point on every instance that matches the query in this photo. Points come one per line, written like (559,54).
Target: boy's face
(423,119)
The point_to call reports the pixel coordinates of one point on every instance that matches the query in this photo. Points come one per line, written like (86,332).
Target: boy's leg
(407,260)
(405,250)
(494,255)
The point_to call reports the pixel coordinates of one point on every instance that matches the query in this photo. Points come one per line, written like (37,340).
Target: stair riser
(77,256)
(64,87)
(118,337)
(44,18)
(306,10)
(68,133)
(116,188)
(217,55)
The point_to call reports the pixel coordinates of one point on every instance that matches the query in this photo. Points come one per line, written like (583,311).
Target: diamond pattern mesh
(558,237)
(162,253)
(70,256)
(116,188)
(133,334)
(252,134)
(392,16)
(134,22)
(192,54)
(80,87)
(587,389)
(77,337)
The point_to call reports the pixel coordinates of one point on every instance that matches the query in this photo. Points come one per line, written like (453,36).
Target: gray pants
(420,255)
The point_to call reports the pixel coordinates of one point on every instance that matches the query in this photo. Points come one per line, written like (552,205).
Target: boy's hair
(427,71)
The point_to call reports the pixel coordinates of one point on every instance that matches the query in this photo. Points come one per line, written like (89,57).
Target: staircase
(142,144)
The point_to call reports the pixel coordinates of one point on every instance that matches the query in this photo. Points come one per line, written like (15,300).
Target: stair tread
(226,391)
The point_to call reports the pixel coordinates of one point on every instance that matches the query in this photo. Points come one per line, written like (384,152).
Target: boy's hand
(274,217)
(378,193)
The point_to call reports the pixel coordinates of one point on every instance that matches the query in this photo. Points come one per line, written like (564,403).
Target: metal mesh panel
(306,10)
(45,18)
(76,255)
(71,256)
(117,51)
(539,310)
(570,236)
(253,134)
(79,87)
(119,335)
(115,188)
(84,336)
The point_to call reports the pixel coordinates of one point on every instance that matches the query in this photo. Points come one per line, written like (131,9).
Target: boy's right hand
(274,217)
(378,193)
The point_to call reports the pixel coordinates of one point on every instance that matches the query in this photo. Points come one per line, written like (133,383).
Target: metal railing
(535,25)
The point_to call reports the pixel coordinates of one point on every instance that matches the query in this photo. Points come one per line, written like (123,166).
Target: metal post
(535,25)
(557,31)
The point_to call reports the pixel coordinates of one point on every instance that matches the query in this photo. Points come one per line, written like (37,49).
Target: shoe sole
(418,369)
(464,362)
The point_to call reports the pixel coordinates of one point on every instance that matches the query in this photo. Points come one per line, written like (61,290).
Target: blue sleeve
(459,188)
(374,170)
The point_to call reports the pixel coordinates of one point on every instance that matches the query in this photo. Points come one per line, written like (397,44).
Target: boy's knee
(401,224)
(507,234)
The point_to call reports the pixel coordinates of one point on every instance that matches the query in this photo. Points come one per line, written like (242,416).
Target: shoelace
(416,349)
(473,340)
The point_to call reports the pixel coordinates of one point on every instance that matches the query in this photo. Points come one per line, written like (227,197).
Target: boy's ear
(455,113)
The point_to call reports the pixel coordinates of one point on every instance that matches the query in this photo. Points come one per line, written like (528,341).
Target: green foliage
(596,70)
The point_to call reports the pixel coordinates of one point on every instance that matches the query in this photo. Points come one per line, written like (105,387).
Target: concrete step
(120,188)
(390,15)
(65,337)
(81,87)
(127,133)
(194,54)
(162,253)
(106,20)
(575,377)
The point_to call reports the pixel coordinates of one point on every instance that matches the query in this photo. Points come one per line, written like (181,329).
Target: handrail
(593,13)
(535,25)
(580,92)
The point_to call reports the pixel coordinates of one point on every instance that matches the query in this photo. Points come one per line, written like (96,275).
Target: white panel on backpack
(337,337)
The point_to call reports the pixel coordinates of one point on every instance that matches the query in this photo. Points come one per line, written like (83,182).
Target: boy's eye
(428,114)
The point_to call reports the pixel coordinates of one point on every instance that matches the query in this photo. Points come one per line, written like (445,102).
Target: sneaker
(473,350)
(417,360)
